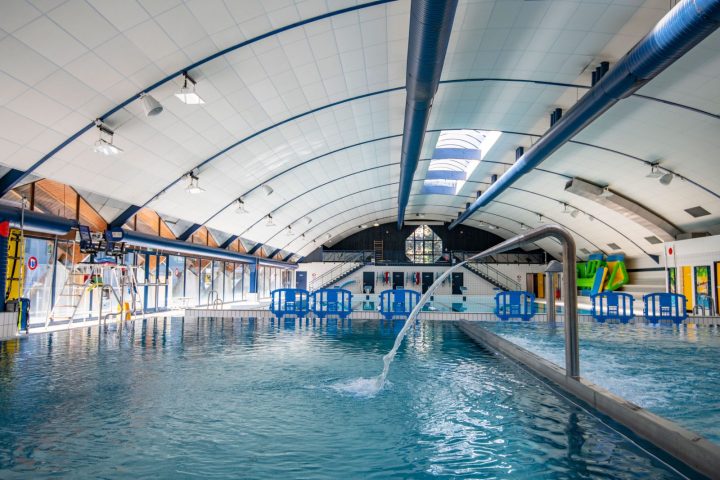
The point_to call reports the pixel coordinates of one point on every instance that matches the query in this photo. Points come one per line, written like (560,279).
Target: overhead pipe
(35,221)
(686,25)
(178,246)
(430,26)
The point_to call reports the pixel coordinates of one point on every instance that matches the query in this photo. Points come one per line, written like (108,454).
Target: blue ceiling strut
(430,26)
(680,30)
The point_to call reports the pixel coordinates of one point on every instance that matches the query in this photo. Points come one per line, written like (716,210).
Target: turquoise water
(259,399)
(672,371)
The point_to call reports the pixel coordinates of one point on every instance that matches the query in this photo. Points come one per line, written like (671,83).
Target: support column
(253,291)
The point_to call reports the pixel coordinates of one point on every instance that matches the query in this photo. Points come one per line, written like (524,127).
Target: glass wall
(161,281)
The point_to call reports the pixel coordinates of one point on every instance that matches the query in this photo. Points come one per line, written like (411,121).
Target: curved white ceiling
(316,112)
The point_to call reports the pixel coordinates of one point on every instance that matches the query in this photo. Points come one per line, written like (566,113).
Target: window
(423,246)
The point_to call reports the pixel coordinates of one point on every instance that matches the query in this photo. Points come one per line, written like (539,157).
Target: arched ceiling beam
(124,216)
(285,247)
(12,178)
(683,27)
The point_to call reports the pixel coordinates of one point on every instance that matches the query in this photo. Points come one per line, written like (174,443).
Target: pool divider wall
(688,447)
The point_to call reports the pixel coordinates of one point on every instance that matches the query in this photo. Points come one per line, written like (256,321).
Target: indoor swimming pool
(175,398)
(672,371)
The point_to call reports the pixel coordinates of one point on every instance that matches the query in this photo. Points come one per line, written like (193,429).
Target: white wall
(475,284)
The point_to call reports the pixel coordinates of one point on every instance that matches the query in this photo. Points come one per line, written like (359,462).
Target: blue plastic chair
(665,306)
(289,301)
(331,301)
(398,302)
(612,306)
(515,304)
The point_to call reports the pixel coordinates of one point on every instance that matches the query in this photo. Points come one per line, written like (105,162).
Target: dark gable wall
(461,238)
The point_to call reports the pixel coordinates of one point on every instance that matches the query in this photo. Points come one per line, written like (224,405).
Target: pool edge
(686,446)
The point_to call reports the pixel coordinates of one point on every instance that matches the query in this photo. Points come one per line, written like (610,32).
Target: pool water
(672,371)
(213,398)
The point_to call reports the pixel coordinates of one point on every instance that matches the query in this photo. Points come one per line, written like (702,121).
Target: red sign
(670,250)
(32,263)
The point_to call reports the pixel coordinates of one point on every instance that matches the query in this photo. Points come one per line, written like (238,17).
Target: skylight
(457,154)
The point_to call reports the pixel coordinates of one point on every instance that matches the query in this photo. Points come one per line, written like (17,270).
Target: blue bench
(398,302)
(515,304)
(612,306)
(331,301)
(665,306)
(289,301)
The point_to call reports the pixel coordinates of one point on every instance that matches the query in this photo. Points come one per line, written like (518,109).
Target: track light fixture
(308,220)
(241,207)
(269,222)
(104,143)
(151,106)
(574,213)
(492,227)
(193,187)
(540,218)
(267,189)
(187,94)
(290,233)
(376,224)
(666,179)
(523,226)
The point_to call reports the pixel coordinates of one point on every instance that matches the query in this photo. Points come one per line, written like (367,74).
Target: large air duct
(430,26)
(36,222)
(178,246)
(686,25)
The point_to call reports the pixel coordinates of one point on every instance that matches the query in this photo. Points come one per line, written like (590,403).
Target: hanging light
(308,220)
(574,213)
(241,210)
(151,106)
(591,218)
(655,171)
(376,224)
(492,227)
(329,236)
(193,187)
(523,226)
(188,95)
(267,189)
(290,233)
(269,222)
(104,144)
(363,225)
(540,218)
(666,179)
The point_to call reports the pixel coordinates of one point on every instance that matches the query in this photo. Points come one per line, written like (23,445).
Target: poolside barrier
(398,302)
(612,306)
(665,306)
(331,301)
(515,304)
(289,301)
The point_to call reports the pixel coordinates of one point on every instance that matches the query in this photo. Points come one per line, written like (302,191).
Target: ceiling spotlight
(290,233)
(104,143)
(540,219)
(376,224)
(267,189)
(302,236)
(564,208)
(591,218)
(193,187)
(655,171)
(666,179)
(269,222)
(308,220)
(523,226)
(575,213)
(363,225)
(188,95)
(492,227)
(329,236)
(241,207)
(606,192)
(151,106)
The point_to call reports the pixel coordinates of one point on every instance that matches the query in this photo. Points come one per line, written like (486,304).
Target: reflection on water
(229,398)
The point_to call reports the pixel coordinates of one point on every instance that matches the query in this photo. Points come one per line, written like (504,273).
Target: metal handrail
(572,353)
(496,274)
(336,271)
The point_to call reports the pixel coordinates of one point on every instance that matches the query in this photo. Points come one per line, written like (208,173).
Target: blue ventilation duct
(430,26)
(680,30)
(36,222)
(144,240)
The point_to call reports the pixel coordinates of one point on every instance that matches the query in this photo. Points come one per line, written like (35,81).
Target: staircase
(493,276)
(334,275)
(378,250)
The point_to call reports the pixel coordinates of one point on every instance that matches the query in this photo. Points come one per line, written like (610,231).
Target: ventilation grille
(614,246)
(697,211)
(653,240)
